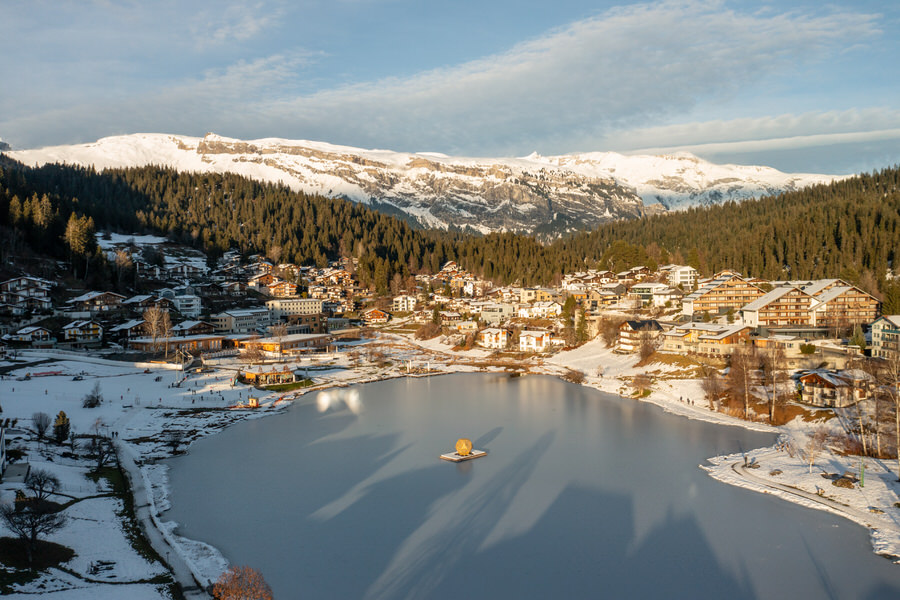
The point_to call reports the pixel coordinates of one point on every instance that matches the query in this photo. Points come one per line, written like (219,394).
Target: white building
(188,305)
(493,337)
(286,307)
(886,337)
(531,340)
(541,310)
(496,313)
(248,320)
(403,304)
(684,276)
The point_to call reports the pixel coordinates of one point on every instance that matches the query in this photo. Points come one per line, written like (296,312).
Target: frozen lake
(582,495)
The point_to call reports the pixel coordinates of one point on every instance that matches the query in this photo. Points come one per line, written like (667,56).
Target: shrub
(428,331)
(93,398)
(807,349)
(574,376)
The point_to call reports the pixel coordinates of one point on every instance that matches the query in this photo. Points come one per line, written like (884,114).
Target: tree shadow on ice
(453,531)
(360,538)
(580,549)
(482,442)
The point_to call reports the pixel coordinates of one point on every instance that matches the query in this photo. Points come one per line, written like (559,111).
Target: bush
(428,331)
(93,398)
(807,349)
(574,376)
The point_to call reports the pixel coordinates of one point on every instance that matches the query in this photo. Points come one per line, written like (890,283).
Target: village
(200,348)
(818,329)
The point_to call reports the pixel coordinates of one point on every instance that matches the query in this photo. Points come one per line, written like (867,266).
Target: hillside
(848,228)
(535,194)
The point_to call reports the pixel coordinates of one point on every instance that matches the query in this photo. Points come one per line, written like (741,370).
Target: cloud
(623,68)
(599,83)
(789,137)
(239,21)
(782,131)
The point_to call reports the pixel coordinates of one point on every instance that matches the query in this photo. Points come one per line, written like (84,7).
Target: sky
(798,85)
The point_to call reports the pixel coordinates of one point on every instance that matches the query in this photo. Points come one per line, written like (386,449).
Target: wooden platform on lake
(454,457)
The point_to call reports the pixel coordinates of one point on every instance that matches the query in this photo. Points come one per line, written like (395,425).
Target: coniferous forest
(849,229)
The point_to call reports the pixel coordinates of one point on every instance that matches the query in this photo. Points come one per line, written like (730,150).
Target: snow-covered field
(142,407)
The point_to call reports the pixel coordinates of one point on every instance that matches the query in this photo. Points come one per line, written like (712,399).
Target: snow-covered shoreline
(209,402)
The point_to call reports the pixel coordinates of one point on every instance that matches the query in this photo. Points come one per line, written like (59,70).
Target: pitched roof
(127,325)
(650,324)
(767,299)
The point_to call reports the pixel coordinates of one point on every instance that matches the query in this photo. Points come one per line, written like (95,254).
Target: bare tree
(773,371)
(641,383)
(102,451)
(41,422)
(815,445)
(740,374)
(862,417)
(274,254)
(889,382)
(165,329)
(241,583)
(100,446)
(42,484)
(712,386)
(123,264)
(647,343)
(93,398)
(609,330)
(252,354)
(30,520)
(279,331)
(153,320)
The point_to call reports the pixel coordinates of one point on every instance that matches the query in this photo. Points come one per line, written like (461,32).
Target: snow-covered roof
(829,295)
(728,331)
(817,286)
(185,325)
(30,329)
(892,319)
(77,324)
(127,325)
(767,299)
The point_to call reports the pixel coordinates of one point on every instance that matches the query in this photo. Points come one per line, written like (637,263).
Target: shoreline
(203,563)
(884,543)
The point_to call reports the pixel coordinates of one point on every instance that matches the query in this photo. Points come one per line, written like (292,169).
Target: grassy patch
(287,387)
(130,526)
(18,571)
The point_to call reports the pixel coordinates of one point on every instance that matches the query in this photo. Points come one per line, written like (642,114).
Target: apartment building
(727,292)
(287,307)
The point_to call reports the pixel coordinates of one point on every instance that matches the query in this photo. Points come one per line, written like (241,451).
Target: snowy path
(859,516)
(145,512)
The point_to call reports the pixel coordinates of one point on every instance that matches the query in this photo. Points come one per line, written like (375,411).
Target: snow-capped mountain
(547,195)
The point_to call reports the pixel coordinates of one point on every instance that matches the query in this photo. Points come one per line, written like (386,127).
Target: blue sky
(801,86)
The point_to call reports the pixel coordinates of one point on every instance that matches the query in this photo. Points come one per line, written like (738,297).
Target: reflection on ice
(334,398)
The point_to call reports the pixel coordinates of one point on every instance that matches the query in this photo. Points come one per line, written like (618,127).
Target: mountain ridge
(533,194)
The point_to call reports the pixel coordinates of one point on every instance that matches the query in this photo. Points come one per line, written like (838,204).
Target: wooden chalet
(632,333)
(375,316)
(96,302)
(835,389)
(83,332)
(192,327)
